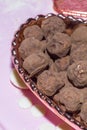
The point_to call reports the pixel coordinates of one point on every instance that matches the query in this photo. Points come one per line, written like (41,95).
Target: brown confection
(59,44)
(69,97)
(53,67)
(63,63)
(78,53)
(77,73)
(51,25)
(84,92)
(79,35)
(60,64)
(33,31)
(83,113)
(63,76)
(43,45)
(35,62)
(29,46)
(49,83)
(74,47)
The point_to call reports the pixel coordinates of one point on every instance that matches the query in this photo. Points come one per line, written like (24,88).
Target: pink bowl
(76,8)
(30,84)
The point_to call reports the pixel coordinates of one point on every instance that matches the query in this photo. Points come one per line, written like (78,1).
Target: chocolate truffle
(43,45)
(35,62)
(78,53)
(84,92)
(83,113)
(63,76)
(51,25)
(69,97)
(49,83)
(77,73)
(62,63)
(33,31)
(53,67)
(79,35)
(29,46)
(59,44)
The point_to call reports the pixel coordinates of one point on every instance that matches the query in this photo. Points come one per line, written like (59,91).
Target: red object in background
(76,8)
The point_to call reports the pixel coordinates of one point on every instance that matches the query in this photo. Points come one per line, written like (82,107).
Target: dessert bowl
(71,23)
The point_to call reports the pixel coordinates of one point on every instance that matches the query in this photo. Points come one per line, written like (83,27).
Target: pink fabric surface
(12,115)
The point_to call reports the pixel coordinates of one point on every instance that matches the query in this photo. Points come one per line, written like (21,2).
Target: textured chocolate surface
(19,60)
(52,25)
(49,82)
(70,97)
(59,44)
(77,73)
(35,63)
(33,31)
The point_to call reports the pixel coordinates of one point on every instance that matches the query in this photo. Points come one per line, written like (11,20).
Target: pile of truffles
(56,55)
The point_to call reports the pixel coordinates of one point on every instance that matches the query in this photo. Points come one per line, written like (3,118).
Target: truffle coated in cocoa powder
(69,97)
(84,92)
(43,45)
(78,53)
(59,44)
(51,25)
(62,63)
(77,73)
(83,113)
(79,35)
(33,31)
(29,46)
(63,76)
(35,62)
(53,67)
(49,83)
